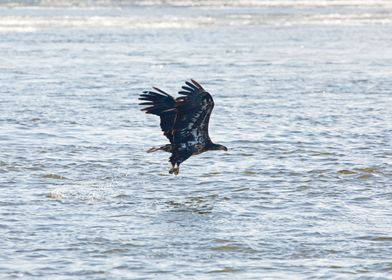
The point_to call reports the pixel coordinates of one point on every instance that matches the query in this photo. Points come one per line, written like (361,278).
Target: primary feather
(160,104)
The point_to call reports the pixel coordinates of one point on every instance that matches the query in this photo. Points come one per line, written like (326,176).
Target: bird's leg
(172,169)
(175,170)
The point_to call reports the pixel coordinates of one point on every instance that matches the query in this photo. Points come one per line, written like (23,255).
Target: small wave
(232,248)
(56,195)
(225,270)
(186,3)
(369,170)
(376,238)
(29,23)
(346,172)
(365,172)
(87,191)
(17,29)
(54,176)
(32,24)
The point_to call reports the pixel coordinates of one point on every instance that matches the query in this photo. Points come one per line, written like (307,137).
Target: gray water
(302,94)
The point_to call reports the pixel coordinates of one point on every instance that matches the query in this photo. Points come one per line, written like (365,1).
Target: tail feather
(153,149)
(165,148)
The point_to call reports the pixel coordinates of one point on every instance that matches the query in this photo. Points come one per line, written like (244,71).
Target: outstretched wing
(193,114)
(161,104)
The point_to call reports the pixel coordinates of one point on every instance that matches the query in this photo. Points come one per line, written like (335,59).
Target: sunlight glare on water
(302,94)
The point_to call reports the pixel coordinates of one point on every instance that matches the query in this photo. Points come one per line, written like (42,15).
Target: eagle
(184,121)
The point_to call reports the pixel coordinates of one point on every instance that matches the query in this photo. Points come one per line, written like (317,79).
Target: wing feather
(163,105)
(184,120)
(193,114)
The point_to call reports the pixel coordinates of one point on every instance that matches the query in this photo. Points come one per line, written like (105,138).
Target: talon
(175,170)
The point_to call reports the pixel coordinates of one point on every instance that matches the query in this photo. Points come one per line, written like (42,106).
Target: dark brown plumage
(184,121)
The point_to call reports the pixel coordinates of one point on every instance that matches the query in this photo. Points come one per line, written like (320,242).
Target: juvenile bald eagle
(184,121)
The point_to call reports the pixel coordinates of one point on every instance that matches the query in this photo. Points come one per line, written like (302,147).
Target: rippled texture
(302,101)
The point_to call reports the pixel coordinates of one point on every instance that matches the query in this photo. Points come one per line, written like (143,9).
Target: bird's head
(218,147)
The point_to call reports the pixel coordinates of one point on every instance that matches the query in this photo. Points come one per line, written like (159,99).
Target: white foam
(216,3)
(30,24)
(31,19)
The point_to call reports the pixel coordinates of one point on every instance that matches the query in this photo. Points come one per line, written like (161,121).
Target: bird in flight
(184,121)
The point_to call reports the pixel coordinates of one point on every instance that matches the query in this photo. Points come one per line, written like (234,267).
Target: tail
(165,148)
(158,102)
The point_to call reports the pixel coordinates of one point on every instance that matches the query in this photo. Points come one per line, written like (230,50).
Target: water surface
(303,101)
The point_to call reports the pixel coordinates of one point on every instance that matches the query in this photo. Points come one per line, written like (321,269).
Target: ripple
(232,248)
(347,172)
(225,270)
(54,176)
(377,238)
(56,195)
(370,170)
(227,248)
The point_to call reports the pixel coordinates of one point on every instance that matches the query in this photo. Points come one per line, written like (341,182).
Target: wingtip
(197,84)
(160,91)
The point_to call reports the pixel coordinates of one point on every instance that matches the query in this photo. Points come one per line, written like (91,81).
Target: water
(303,101)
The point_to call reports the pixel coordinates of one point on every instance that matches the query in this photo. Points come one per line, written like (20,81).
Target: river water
(303,101)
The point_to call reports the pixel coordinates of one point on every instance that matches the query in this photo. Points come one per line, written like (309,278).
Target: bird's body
(184,121)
